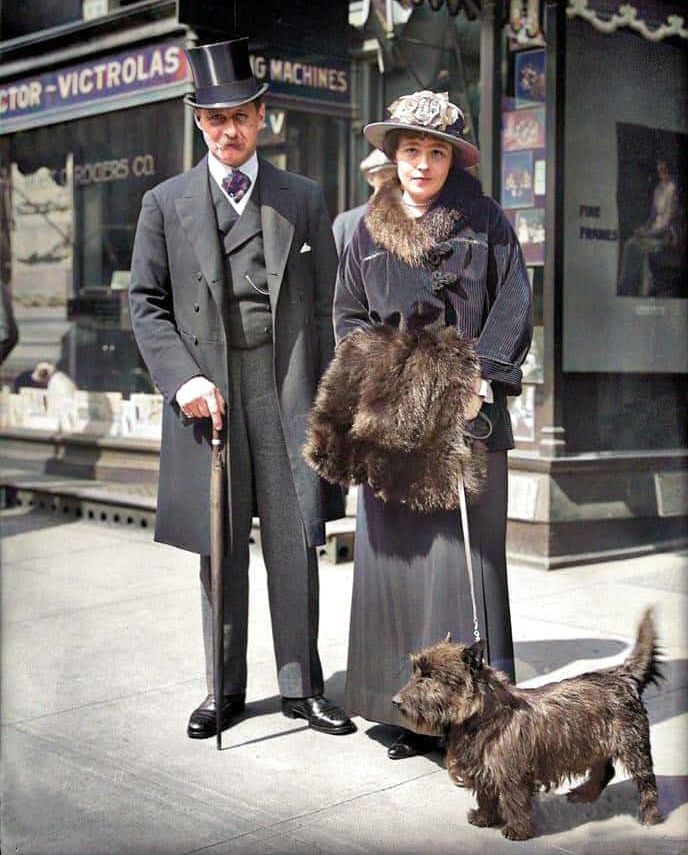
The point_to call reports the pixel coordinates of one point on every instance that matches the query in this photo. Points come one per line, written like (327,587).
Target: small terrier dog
(504,742)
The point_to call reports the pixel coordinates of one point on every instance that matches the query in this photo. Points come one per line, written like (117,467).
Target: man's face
(231,133)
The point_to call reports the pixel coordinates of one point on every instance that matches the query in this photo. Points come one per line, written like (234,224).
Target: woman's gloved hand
(476,400)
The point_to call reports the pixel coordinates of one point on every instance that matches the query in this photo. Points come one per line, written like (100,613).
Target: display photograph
(651,193)
(517,178)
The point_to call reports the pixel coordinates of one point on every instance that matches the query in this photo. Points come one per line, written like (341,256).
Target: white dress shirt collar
(218,170)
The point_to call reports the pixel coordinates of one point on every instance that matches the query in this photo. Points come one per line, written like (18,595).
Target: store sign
(107,79)
(157,70)
(274,131)
(309,76)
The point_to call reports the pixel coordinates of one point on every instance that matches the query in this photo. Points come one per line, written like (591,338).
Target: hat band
(237,90)
(453,130)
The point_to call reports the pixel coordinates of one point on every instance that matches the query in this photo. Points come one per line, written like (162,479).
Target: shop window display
(523,198)
(72,194)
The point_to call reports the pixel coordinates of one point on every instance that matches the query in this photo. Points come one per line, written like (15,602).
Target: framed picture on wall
(517,180)
(529,78)
(530,230)
(524,129)
(653,228)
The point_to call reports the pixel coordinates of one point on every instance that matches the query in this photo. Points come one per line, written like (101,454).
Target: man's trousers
(259,464)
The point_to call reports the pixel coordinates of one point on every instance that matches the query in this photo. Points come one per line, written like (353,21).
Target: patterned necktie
(236,185)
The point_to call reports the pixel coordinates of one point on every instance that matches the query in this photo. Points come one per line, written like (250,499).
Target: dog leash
(463,505)
(469,559)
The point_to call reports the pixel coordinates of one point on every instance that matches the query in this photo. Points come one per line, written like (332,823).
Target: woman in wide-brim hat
(431,247)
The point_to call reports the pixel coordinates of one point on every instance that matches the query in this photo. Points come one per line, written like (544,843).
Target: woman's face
(423,164)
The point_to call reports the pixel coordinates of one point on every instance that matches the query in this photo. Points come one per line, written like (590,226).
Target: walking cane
(218,484)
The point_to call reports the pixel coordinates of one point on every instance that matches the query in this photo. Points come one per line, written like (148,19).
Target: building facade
(578,108)
(91,117)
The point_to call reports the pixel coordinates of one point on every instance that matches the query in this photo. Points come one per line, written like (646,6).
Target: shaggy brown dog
(504,742)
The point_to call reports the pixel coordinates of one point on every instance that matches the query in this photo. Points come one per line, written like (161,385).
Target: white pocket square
(305,248)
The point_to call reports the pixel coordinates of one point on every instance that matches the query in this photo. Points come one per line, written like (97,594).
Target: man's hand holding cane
(198,398)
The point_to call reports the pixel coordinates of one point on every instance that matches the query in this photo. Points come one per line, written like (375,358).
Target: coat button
(196,307)
(195,339)
(199,275)
(268,329)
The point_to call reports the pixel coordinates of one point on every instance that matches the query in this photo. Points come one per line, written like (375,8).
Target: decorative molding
(627,16)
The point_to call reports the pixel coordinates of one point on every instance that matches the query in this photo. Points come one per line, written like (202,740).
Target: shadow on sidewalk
(554,814)
(536,658)
(669,698)
(21,520)
(663,701)
(333,690)
(385,735)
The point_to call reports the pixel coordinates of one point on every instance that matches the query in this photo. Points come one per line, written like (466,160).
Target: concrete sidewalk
(101,666)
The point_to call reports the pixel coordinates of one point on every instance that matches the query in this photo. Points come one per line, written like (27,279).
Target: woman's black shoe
(408,744)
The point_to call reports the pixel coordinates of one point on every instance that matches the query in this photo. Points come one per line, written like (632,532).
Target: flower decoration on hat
(427,109)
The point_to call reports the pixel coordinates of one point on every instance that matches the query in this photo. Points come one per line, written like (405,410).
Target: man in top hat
(232,278)
(377,168)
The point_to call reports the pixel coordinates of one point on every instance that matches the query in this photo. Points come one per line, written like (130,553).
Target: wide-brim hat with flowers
(428,113)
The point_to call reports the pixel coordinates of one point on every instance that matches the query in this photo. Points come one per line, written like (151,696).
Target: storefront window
(74,196)
(625,252)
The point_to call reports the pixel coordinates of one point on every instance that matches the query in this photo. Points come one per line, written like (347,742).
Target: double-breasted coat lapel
(197,216)
(277,214)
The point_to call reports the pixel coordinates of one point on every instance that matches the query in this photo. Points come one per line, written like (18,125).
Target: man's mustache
(221,146)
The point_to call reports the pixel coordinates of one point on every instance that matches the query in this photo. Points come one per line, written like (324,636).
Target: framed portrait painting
(529,81)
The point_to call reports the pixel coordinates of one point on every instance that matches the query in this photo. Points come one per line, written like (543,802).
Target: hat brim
(375,134)
(382,167)
(191,100)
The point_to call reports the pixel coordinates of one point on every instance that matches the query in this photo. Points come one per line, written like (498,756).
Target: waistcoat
(249,320)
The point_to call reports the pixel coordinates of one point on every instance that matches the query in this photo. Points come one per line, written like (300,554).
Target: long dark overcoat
(178,299)
(460,262)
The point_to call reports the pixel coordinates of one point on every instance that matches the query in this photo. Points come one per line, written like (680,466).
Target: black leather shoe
(408,744)
(320,714)
(202,721)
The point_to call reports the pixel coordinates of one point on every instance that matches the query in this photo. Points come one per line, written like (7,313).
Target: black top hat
(222,75)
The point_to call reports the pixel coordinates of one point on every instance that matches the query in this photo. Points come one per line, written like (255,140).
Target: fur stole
(389,412)
(409,239)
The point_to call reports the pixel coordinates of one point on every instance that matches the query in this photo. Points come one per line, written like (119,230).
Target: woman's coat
(462,258)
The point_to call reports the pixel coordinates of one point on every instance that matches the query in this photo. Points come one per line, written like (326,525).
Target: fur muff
(389,412)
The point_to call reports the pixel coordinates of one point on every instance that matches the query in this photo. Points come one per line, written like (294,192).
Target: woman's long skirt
(411,588)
